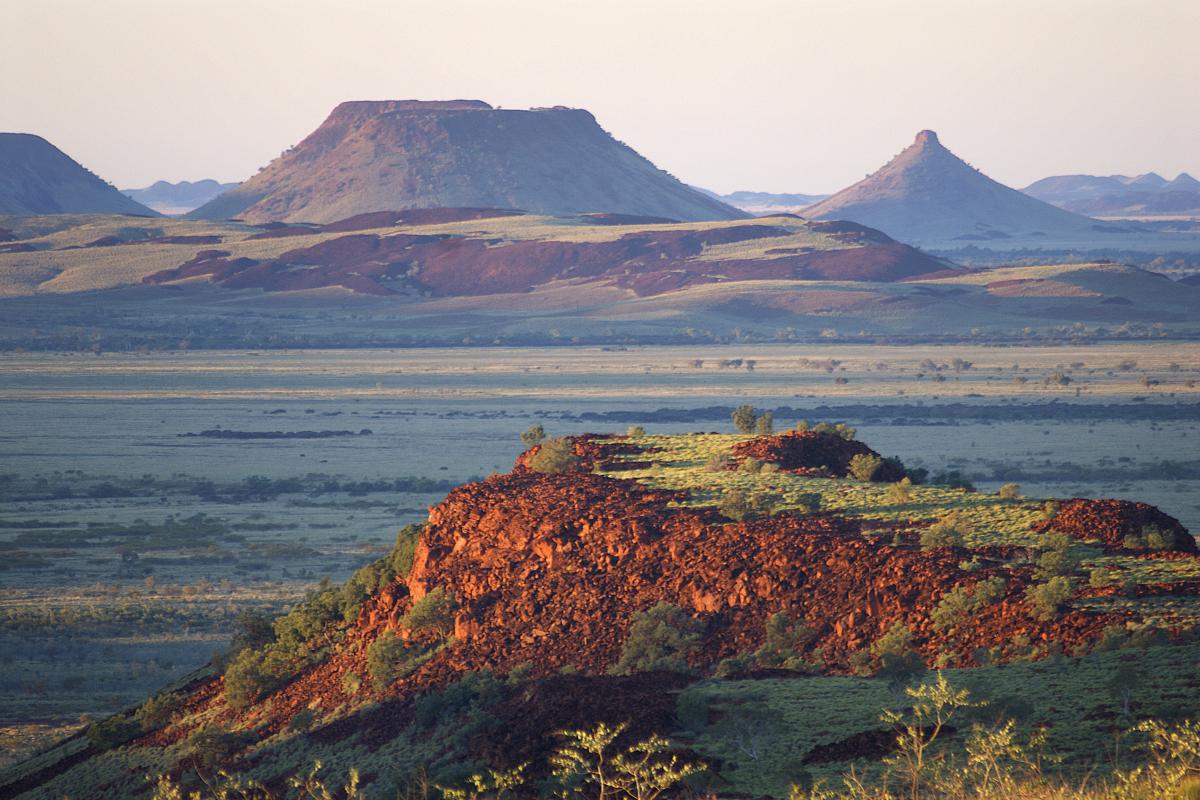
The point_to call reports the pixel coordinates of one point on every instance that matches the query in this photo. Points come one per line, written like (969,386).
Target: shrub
(390,658)
(864,466)
(252,631)
(900,491)
(534,435)
(470,695)
(1152,537)
(952,479)
(249,676)
(155,712)
(958,604)
(808,502)
(1009,491)
(751,465)
(717,464)
(899,661)
(741,506)
(1100,577)
(1056,558)
(765,424)
(589,763)
(635,431)
(302,722)
(108,734)
(351,683)
(744,419)
(211,747)
(554,457)
(1046,599)
(659,639)
(949,531)
(433,613)
(784,643)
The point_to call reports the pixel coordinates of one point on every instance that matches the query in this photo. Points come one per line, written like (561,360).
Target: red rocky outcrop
(1110,521)
(811,452)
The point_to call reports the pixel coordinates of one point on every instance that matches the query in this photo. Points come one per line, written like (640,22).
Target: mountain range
(1145,195)
(928,193)
(178,198)
(38,178)
(403,154)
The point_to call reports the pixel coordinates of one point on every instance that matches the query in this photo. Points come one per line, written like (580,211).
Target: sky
(764,95)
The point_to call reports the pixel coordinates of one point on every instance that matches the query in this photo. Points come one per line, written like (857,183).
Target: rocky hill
(1147,195)
(676,583)
(926,193)
(38,178)
(177,198)
(401,154)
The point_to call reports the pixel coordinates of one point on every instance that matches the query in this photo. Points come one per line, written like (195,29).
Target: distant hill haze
(1120,195)
(760,203)
(927,193)
(38,178)
(178,198)
(401,154)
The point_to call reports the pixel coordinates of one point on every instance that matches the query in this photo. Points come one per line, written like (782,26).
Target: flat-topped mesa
(378,155)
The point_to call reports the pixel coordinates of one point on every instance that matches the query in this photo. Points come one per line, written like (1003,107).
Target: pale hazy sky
(776,96)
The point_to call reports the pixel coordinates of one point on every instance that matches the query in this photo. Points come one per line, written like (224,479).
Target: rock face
(398,154)
(927,193)
(38,178)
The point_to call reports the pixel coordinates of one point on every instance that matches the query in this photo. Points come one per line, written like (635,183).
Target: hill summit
(38,178)
(400,154)
(928,193)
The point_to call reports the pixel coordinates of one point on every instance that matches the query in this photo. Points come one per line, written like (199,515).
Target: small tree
(554,456)
(864,466)
(744,419)
(934,704)
(586,762)
(534,435)
(1056,558)
(659,639)
(765,424)
(635,431)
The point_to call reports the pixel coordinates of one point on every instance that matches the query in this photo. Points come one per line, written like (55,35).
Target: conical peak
(925,138)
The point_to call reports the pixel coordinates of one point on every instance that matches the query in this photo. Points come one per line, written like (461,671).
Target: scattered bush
(351,683)
(864,466)
(660,638)
(808,502)
(765,424)
(899,661)
(156,712)
(1046,599)
(741,506)
(957,605)
(952,479)
(433,613)
(949,531)
(1009,491)
(555,457)
(390,658)
(213,746)
(900,491)
(534,435)
(108,734)
(635,431)
(717,464)
(1152,537)
(1056,557)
